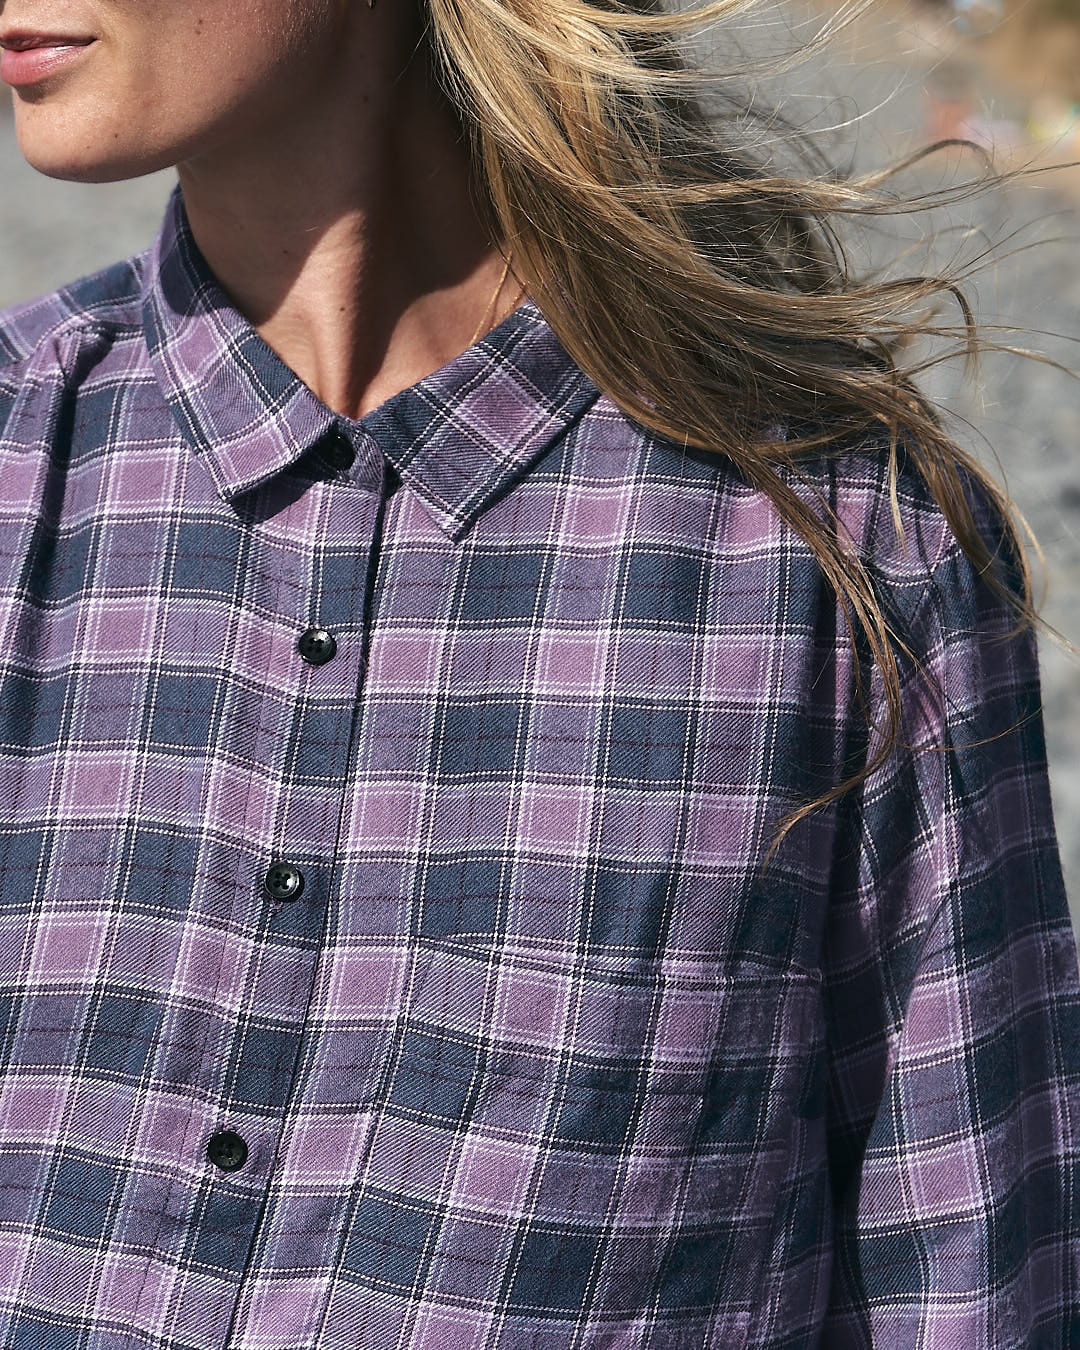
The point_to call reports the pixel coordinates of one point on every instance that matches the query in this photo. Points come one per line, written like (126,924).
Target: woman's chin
(59,151)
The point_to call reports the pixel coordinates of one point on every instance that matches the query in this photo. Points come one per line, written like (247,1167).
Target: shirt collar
(459,438)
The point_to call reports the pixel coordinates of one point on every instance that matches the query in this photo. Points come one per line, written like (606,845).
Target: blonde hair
(707,294)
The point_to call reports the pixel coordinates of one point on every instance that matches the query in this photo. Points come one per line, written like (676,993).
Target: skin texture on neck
(325,179)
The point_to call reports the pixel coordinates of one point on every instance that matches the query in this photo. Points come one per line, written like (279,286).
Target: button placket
(322,663)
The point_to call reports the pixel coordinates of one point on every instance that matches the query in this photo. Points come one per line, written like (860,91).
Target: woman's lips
(21,65)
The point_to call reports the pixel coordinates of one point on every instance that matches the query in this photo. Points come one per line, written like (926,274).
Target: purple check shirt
(386,959)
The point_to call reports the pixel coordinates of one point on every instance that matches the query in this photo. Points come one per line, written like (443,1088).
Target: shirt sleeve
(952,1011)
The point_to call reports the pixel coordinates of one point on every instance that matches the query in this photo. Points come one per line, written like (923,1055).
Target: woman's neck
(350,238)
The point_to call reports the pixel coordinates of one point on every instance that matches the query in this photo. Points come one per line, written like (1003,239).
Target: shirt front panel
(163,735)
(548,921)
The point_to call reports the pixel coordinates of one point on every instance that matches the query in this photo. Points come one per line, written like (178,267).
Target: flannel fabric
(433,996)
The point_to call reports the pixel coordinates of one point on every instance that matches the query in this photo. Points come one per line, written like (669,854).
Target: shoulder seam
(69,323)
(93,320)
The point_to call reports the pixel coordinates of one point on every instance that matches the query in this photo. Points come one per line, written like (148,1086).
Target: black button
(317,646)
(338,453)
(227,1150)
(283,881)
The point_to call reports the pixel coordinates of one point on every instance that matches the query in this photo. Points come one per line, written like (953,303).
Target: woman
(525,812)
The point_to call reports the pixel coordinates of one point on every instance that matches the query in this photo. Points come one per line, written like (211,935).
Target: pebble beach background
(888,84)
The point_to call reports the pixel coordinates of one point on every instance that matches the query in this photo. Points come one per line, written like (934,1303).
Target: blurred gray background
(908,73)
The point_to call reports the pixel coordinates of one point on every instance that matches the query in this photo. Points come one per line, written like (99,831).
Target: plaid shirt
(385,954)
